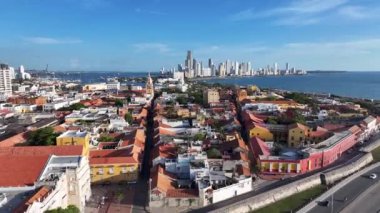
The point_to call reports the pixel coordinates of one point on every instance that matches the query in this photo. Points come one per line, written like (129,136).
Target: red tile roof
(21,170)
(182,193)
(12,141)
(40,195)
(41,150)
(111,156)
(259,147)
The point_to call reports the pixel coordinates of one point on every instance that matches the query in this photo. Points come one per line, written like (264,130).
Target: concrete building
(73,137)
(210,96)
(5,81)
(37,179)
(94,87)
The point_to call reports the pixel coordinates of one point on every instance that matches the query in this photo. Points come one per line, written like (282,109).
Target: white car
(373,176)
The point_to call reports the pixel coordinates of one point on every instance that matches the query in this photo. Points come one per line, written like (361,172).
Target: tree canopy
(128,117)
(106,138)
(119,103)
(69,209)
(42,137)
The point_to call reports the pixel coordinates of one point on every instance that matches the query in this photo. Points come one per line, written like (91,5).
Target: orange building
(39,101)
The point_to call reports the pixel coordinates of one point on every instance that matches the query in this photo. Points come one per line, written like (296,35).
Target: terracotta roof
(354,129)
(298,125)
(182,193)
(161,179)
(112,160)
(319,132)
(21,170)
(166,151)
(164,131)
(41,150)
(110,156)
(12,141)
(59,129)
(39,195)
(262,148)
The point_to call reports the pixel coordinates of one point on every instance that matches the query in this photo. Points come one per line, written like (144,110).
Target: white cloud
(49,40)
(298,12)
(359,12)
(155,47)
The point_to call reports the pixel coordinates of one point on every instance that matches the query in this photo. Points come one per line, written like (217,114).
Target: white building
(63,181)
(5,81)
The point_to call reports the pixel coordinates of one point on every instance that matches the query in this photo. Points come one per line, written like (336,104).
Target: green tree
(272,120)
(199,136)
(213,153)
(181,100)
(105,138)
(119,103)
(77,106)
(42,137)
(69,209)
(119,197)
(128,117)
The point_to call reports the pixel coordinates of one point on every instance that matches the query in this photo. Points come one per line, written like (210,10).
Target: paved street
(366,202)
(347,194)
(112,203)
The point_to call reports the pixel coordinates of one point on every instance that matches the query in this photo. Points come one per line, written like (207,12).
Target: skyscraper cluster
(193,68)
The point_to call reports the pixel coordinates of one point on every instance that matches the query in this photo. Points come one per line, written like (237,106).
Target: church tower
(149,89)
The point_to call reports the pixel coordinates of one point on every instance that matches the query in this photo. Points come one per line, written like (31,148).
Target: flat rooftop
(73,133)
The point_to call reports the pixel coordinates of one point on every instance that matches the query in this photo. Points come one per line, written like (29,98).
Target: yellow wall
(84,141)
(114,173)
(296,136)
(262,133)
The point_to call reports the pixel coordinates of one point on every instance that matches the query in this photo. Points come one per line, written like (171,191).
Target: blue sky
(136,35)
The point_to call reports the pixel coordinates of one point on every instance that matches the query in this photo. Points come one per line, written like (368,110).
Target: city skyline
(144,36)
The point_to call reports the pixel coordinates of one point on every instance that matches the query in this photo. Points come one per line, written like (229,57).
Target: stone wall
(273,195)
(337,174)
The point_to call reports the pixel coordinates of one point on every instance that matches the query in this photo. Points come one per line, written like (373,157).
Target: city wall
(371,146)
(337,174)
(274,195)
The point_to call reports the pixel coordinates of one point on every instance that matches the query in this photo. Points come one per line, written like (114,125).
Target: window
(100,171)
(110,170)
(292,138)
(124,170)
(301,138)
(71,188)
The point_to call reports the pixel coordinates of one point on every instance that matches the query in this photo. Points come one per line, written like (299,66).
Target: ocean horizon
(356,84)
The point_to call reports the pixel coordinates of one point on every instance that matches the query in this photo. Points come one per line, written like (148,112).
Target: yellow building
(261,132)
(113,166)
(298,134)
(73,137)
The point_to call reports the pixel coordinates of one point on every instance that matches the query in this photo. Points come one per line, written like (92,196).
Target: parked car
(373,176)
(324,203)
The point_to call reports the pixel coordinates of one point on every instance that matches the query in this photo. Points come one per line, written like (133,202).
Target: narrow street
(140,199)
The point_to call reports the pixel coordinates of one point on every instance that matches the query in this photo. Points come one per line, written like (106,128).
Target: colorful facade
(113,166)
(73,137)
(305,160)
(297,135)
(261,132)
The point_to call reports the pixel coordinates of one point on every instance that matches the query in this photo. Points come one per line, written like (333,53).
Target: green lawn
(293,202)
(376,154)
